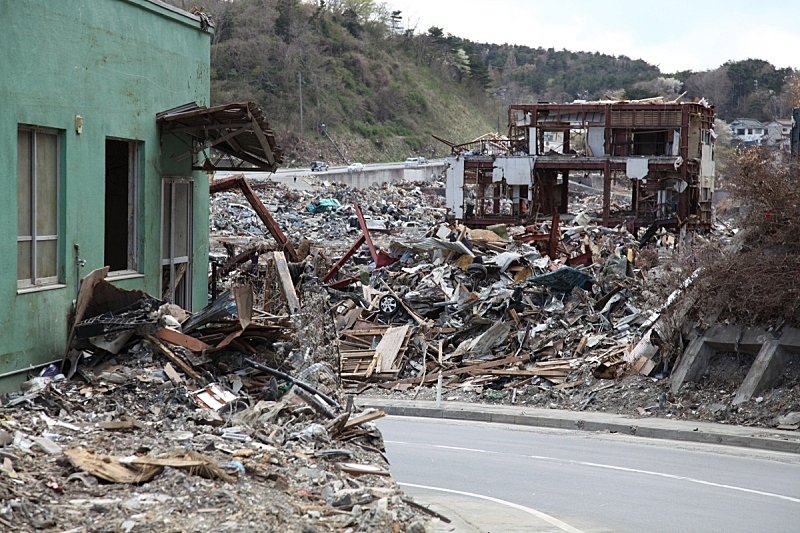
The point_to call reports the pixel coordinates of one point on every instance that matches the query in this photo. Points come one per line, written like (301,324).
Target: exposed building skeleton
(665,148)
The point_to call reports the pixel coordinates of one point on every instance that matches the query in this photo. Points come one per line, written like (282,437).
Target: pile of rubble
(552,314)
(167,421)
(557,313)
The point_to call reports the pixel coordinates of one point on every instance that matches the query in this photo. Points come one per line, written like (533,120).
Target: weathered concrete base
(693,364)
(772,355)
(765,371)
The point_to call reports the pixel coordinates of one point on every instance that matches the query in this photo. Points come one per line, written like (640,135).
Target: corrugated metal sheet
(427,245)
(574,118)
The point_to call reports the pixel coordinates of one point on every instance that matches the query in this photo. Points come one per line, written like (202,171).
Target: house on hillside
(102,131)
(665,149)
(778,133)
(747,131)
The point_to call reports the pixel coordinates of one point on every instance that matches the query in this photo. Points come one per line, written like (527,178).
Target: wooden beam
(286,281)
(262,139)
(456,371)
(166,352)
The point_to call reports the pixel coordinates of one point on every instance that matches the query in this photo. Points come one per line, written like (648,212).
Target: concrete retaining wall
(367,177)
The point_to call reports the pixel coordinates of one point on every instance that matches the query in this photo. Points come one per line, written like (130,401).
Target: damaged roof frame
(238,133)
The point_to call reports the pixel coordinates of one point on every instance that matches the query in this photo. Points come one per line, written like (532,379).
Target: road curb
(638,430)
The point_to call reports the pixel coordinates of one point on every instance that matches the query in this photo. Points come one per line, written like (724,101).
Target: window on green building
(37,206)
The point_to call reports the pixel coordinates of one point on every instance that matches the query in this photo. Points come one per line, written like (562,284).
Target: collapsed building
(665,148)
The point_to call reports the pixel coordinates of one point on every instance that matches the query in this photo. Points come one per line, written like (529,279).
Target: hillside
(381,91)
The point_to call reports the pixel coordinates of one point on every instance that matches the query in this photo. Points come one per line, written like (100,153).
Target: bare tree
(713,85)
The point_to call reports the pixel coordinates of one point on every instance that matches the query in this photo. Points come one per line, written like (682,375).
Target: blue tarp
(322,206)
(564,279)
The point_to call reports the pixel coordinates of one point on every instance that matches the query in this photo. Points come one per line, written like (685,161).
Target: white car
(415,161)
(355,167)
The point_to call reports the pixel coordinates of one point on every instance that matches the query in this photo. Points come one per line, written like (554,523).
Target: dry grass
(757,281)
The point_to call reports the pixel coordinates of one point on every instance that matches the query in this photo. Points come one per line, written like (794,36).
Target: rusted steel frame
(237,260)
(342,283)
(555,236)
(381,258)
(607,193)
(564,191)
(240,182)
(451,144)
(346,257)
(683,204)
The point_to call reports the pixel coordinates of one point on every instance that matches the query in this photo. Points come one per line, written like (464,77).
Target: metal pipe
(291,379)
(32,367)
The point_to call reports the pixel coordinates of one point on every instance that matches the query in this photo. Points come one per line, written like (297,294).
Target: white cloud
(678,36)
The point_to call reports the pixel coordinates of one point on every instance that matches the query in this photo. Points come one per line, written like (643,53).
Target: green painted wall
(116,63)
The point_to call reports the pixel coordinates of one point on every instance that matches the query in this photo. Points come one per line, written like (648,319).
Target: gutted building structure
(665,149)
(89,181)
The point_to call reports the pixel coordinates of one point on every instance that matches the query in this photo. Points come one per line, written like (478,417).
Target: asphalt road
(501,479)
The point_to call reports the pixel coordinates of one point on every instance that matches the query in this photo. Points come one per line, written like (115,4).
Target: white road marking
(612,467)
(538,514)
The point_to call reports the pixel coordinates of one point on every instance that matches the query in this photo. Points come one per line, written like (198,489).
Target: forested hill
(382,89)
(381,92)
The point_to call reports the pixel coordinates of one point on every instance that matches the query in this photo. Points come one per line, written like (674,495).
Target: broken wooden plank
(523,373)
(166,352)
(243,296)
(172,374)
(362,419)
(356,469)
(286,281)
(181,339)
(570,385)
(372,364)
(456,371)
(389,347)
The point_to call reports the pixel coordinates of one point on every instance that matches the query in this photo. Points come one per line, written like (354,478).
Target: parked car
(416,161)
(320,166)
(355,167)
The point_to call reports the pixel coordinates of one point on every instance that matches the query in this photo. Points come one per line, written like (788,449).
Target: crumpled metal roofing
(427,244)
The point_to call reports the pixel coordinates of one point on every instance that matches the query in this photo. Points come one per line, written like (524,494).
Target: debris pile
(502,308)
(164,420)
(552,313)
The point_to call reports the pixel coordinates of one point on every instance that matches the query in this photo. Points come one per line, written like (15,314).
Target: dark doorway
(120,205)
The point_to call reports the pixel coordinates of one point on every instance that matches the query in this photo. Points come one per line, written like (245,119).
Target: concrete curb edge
(704,437)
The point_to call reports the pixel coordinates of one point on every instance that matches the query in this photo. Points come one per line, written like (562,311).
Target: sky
(675,35)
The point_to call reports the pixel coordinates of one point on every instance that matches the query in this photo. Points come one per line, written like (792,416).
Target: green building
(88,180)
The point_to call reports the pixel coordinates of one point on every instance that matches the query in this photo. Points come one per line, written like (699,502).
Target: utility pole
(324,130)
(300,91)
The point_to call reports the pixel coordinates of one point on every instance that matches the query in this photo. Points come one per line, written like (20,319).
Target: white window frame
(172,261)
(33,238)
